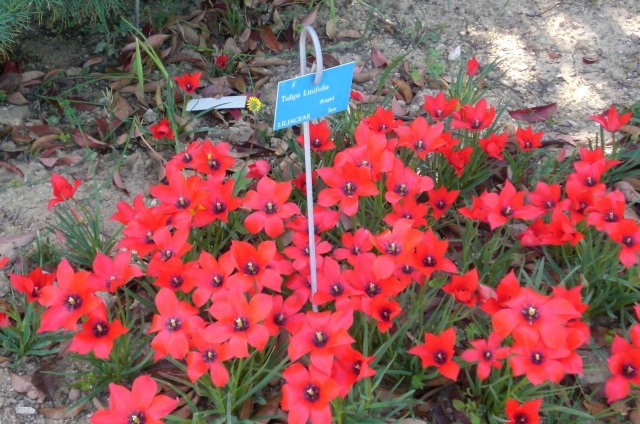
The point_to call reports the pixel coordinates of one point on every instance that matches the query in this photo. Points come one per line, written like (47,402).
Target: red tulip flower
(440,199)
(189,82)
(222,61)
(140,405)
(269,201)
(174,323)
(240,322)
(349,367)
(307,394)
(208,357)
(62,189)
(494,145)
(68,301)
(3,262)
(439,107)
(110,274)
(464,287)
(627,234)
(255,266)
(346,185)
(97,334)
(438,352)
(527,139)
(611,120)
(527,413)
(162,129)
(31,284)
(624,364)
(421,137)
(319,137)
(537,360)
(472,66)
(487,353)
(474,118)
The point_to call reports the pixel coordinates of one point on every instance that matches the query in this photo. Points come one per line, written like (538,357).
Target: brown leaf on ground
(44,381)
(348,33)
(85,140)
(154,41)
(12,168)
(31,75)
(404,89)
(366,76)
(61,413)
(590,59)
(331,29)
(238,83)
(21,135)
(630,129)
(534,114)
(44,142)
(188,34)
(268,410)
(269,39)
(16,98)
(10,82)
(52,73)
(379,60)
(329,61)
(268,61)
(80,104)
(310,18)
(122,109)
(553,55)
(219,87)
(92,61)
(42,130)
(117,180)
(231,46)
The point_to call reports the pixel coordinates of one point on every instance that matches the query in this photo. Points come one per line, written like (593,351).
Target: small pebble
(25,410)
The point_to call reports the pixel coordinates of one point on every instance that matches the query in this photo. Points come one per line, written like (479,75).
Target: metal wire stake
(307,151)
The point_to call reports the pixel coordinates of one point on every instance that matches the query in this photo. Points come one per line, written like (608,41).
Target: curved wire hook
(303,53)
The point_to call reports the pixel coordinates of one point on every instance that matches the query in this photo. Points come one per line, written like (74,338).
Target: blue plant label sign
(299,100)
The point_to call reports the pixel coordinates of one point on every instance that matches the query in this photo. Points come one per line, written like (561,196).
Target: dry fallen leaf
(366,76)
(404,89)
(534,114)
(378,59)
(122,109)
(22,384)
(16,98)
(61,413)
(269,39)
(331,29)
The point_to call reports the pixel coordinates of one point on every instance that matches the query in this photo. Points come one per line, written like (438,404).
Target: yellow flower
(254,104)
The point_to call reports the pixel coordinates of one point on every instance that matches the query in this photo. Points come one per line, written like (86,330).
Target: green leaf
(458,404)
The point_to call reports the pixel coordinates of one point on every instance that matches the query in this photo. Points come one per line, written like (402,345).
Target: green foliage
(15,15)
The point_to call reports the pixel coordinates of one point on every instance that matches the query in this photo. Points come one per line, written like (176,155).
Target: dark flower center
(628,371)
(611,217)
(487,355)
(627,241)
(279,319)
(73,302)
(582,207)
(440,357)
(429,261)
(382,127)
(363,162)
(589,181)
(356,367)
(355,250)
(241,324)
(209,356)
(176,281)
(527,144)
(385,314)
(476,124)
(407,269)
(407,215)
(189,86)
(166,255)
(182,203)
(530,313)
(187,157)
(219,207)
(136,417)
(270,208)
(36,292)
(217,280)
(173,324)
(316,142)
(521,418)
(373,289)
(306,251)
(148,239)
(401,189)
(100,328)
(251,269)
(537,358)
(419,146)
(437,113)
(320,339)
(550,204)
(441,204)
(349,188)
(311,392)
(507,211)
(393,249)
(214,164)
(337,289)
